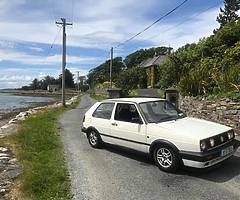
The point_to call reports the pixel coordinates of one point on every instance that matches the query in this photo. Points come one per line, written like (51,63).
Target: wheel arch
(91,128)
(162,142)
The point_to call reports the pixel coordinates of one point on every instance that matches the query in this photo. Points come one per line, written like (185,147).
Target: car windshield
(159,111)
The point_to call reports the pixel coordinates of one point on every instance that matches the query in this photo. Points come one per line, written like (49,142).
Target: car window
(127,113)
(104,111)
(157,111)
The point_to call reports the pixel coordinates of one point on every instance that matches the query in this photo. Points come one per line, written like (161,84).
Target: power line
(148,27)
(188,19)
(56,37)
(72,9)
(50,48)
(54,40)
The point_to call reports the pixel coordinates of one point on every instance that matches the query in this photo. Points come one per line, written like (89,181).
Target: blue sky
(28,29)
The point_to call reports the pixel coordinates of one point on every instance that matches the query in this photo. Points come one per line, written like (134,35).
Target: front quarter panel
(181,142)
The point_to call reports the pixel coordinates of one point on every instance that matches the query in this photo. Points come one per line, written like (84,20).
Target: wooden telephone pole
(64,24)
(78,82)
(111,65)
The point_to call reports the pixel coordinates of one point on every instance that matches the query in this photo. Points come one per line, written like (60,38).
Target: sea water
(10,101)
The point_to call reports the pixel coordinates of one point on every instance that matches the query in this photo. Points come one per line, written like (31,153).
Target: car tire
(94,139)
(166,158)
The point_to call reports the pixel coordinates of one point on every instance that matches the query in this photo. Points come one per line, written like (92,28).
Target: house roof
(156,60)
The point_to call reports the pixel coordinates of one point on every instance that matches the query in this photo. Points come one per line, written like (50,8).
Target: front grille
(219,140)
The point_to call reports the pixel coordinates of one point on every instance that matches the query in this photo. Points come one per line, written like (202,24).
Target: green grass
(132,93)
(161,93)
(38,147)
(97,97)
(235,96)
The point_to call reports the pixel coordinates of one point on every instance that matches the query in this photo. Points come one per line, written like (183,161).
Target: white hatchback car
(157,127)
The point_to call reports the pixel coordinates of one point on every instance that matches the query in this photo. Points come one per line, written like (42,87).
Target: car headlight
(212,142)
(230,135)
(203,145)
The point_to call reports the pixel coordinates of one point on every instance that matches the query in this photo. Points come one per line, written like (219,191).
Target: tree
(228,14)
(69,79)
(100,74)
(35,84)
(132,78)
(48,80)
(69,82)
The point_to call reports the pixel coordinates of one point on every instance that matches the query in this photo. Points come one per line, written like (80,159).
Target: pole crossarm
(67,24)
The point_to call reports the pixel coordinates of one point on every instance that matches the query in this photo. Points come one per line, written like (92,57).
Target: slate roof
(156,60)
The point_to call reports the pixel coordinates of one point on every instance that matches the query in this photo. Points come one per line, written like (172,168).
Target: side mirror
(137,120)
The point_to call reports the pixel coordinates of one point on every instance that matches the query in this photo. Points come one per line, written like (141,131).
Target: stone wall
(224,111)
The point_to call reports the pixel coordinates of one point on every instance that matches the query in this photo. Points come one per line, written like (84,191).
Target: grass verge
(97,97)
(38,147)
(235,96)
(133,93)
(161,93)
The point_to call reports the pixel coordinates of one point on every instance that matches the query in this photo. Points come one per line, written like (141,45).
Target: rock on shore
(9,170)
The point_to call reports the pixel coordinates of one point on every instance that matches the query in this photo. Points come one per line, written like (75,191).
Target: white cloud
(82,72)
(102,24)
(41,75)
(178,34)
(24,58)
(15,78)
(38,49)
(99,24)
(7,44)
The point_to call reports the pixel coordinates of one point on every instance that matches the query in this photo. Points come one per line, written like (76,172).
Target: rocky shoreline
(10,169)
(39,93)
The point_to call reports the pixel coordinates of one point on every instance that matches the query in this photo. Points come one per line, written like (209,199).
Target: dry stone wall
(223,111)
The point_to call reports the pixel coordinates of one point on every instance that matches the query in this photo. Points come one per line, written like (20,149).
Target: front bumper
(210,158)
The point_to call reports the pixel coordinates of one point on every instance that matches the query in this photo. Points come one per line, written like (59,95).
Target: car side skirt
(125,139)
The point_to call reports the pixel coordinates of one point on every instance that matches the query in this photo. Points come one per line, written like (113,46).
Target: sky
(30,40)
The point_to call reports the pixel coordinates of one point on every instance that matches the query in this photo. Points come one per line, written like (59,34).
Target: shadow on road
(221,173)
(143,158)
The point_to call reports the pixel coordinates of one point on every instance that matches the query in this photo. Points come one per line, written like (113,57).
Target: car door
(101,119)
(128,128)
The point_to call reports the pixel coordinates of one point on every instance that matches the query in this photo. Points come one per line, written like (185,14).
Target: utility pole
(64,24)
(78,82)
(111,65)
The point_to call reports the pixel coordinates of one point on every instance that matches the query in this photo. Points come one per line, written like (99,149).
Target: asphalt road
(114,173)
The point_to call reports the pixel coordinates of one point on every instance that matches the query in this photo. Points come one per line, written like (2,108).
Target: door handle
(114,124)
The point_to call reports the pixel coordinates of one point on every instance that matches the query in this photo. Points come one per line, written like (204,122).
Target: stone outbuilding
(150,65)
(53,88)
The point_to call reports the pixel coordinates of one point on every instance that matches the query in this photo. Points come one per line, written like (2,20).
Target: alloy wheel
(164,157)
(93,138)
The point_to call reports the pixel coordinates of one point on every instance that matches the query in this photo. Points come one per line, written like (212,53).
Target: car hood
(192,127)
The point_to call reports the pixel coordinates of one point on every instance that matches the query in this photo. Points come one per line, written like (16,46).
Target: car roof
(134,99)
